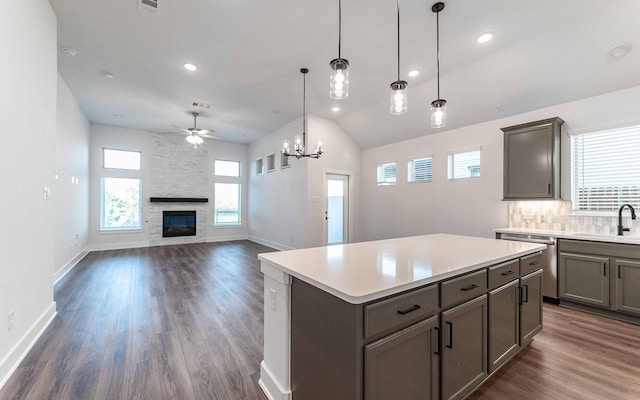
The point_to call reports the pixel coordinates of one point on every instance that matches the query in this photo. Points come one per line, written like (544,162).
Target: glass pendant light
(438,106)
(339,80)
(398,100)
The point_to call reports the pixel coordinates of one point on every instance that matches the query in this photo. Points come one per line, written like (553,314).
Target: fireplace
(178,223)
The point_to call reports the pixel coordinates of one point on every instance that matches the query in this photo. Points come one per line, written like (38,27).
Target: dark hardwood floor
(185,322)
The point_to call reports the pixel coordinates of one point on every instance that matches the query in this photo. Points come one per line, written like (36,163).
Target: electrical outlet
(11,320)
(274,299)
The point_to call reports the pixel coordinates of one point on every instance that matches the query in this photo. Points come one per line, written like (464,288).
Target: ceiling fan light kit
(194,137)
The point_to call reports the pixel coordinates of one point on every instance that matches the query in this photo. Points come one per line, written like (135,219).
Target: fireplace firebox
(178,223)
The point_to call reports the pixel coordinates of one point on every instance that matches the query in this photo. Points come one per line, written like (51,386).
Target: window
(605,169)
(420,170)
(387,174)
(464,164)
(121,159)
(227,204)
(227,168)
(284,161)
(271,162)
(120,208)
(259,166)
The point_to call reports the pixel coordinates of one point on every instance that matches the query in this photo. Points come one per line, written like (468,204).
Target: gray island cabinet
(424,317)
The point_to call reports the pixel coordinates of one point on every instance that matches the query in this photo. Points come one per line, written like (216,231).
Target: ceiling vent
(150,6)
(201,105)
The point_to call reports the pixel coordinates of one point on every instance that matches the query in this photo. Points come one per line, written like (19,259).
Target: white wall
(71,186)
(469,206)
(170,168)
(286,206)
(28,78)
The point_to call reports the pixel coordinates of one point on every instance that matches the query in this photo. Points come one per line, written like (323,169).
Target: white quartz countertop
(366,271)
(594,237)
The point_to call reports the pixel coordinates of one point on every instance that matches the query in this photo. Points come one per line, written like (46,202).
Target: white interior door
(337,209)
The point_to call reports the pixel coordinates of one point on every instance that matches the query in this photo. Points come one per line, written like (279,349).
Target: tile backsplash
(557,215)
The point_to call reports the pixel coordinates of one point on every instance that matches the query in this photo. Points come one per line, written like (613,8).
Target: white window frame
(384,181)
(227,225)
(451,165)
(271,162)
(631,143)
(284,161)
(104,149)
(259,163)
(411,169)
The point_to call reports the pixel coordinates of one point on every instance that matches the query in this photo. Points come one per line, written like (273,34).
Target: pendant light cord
(398,9)
(304,111)
(438,49)
(339,26)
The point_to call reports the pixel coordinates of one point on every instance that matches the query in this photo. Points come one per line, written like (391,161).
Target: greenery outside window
(227,204)
(120,204)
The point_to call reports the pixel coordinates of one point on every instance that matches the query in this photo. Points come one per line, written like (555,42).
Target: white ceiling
(249,54)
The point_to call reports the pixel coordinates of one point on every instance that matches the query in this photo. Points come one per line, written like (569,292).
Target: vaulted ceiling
(128,70)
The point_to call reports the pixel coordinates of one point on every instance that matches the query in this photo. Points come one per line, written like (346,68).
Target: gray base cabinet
(404,365)
(600,277)
(504,323)
(530,306)
(464,350)
(628,286)
(584,278)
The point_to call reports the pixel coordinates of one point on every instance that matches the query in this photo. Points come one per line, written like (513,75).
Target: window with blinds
(420,170)
(386,174)
(605,169)
(464,164)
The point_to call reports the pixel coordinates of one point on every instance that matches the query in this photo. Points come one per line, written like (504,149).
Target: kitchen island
(399,318)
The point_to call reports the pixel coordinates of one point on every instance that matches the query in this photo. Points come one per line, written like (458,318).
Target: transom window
(605,169)
(227,168)
(121,159)
(464,164)
(420,170)
(386,174)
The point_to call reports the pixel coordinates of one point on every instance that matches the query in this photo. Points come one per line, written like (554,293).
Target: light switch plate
(46,193)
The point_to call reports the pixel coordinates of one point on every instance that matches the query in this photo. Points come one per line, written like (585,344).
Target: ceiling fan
(195,134)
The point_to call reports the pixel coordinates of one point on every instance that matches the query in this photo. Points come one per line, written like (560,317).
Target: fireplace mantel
(179,199)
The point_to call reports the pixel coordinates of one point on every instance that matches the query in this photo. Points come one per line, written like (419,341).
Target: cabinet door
(464,350)
(404,365)
(530,306)
(504,324)
(628,286)
(584,279)
(529,163)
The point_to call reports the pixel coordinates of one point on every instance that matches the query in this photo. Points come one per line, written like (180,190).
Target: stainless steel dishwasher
(550,269)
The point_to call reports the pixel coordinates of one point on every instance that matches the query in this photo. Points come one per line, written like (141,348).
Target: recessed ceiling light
(108,74)
(619,50)
(335,109)
(413,73)
(69,52)
(190,67)
(485,37)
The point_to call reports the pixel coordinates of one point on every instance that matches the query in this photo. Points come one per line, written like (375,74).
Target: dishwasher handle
(542,240)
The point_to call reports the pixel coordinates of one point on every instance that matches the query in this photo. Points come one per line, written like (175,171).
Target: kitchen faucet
(621,228)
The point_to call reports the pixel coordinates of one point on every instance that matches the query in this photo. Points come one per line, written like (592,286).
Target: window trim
(121,169)
(261,161)
(271,159)
(228,176)
(233,225)
(284,161)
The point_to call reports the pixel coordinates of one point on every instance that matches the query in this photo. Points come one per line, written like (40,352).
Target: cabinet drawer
(400,311)
(531,263)
(464,288)
(503,273)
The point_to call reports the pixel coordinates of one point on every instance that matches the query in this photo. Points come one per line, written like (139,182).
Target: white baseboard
(226,238)
(10,363)
(269,243)
(270,386)
(118,246)
(69,266)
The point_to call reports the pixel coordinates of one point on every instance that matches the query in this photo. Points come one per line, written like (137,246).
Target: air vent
(201,105)
(151,6)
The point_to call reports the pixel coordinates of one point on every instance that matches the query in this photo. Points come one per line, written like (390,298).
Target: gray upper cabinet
(532,160)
